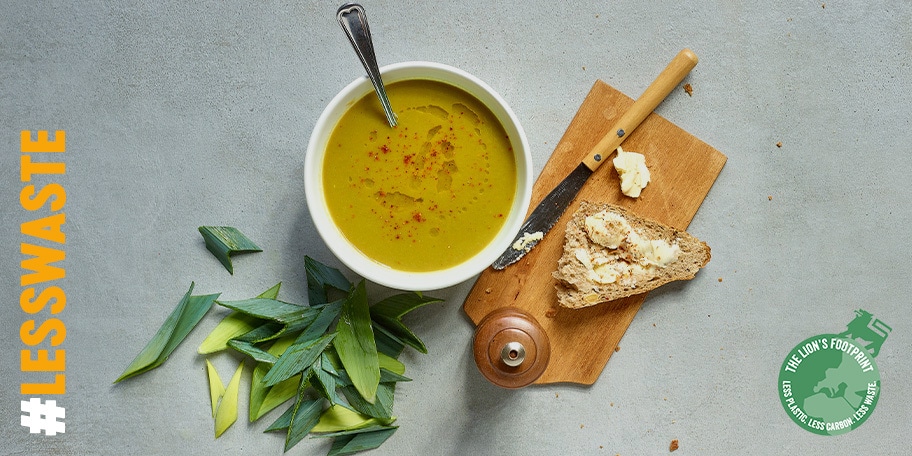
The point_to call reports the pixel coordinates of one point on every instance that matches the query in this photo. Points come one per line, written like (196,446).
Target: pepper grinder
(511,348)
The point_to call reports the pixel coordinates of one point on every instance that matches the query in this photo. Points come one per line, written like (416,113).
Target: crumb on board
(689,89)
(617,348)
(551,313)
(673,446)
(488,290)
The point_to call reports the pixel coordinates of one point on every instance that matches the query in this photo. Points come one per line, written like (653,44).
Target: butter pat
(629,257)
(607,229)
(657,252)
(631,168)
(603,272)
(524,242)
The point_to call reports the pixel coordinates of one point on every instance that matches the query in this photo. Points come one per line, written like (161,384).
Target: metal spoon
(354,22)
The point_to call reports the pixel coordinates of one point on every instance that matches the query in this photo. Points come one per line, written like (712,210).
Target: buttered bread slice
(611,253)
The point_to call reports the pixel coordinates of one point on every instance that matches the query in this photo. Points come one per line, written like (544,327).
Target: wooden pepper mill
(511,349)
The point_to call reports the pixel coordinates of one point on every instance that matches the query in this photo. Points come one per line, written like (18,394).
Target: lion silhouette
(868,331)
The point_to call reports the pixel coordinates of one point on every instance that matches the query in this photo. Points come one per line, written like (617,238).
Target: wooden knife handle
(667,80)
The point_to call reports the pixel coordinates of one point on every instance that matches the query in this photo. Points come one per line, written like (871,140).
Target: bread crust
(576,289)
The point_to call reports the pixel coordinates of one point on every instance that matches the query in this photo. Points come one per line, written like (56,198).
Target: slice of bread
(611,253)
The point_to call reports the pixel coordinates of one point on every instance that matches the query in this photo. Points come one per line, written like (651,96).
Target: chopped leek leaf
(387,343)
(267,331)
(224,241)
(270,309)
(271,293)
(270,397)
(233,325)
(361,430)
(363,441)
(341,418)
(216,387)
(306,415)
(296,358)
(355,343)
(319,325)
(296,326)
(386,376)
(324,382)
(391,364)
(189,311)
(265,398)
(382,407)
(319,276)
(331,362)
(253,351)
(327,365)
(388,313)
(281,423)
(226,413)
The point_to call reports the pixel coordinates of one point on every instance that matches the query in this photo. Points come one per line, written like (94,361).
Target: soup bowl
(331,229)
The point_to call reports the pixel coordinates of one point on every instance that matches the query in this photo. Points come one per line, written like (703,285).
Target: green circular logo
(829,385)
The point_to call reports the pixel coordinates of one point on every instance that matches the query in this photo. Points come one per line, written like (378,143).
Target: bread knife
(552,206)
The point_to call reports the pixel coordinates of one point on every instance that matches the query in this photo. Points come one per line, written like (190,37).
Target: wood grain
(683,169)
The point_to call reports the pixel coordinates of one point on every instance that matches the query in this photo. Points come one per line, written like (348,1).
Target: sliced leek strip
(227,411)
(216,387)
(224,241)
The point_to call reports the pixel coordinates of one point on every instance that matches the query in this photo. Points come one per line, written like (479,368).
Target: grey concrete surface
(180,114)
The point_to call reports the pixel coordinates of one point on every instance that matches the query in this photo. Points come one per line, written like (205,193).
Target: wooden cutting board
(683,169)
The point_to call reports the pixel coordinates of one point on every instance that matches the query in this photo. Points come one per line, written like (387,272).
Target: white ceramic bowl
(377,272)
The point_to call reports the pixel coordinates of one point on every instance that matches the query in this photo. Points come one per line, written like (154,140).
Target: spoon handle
(353,20)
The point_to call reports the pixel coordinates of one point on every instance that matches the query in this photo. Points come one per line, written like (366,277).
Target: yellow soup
(429,193)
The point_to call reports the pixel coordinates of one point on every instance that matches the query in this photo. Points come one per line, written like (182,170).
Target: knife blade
(553,205)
